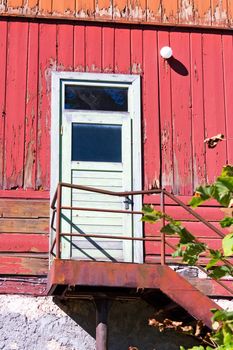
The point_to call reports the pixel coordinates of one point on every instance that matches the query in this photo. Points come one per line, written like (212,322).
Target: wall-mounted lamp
(166,52)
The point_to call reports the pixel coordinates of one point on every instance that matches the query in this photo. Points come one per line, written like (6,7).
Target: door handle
(128,202)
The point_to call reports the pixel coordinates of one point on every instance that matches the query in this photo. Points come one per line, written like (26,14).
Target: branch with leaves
(189,248)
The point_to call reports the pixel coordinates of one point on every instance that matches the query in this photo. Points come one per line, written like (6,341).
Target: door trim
(133,83)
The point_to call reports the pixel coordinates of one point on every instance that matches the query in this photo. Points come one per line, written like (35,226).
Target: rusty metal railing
(56,206)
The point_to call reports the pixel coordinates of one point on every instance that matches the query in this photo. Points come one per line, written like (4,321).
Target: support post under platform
(102,308)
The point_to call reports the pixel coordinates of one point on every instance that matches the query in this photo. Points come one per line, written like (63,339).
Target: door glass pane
(97,98)
(96,142)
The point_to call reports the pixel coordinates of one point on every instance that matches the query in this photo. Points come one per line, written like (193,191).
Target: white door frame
(132,82)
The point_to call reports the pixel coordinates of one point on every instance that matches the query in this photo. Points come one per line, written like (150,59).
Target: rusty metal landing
(108,275)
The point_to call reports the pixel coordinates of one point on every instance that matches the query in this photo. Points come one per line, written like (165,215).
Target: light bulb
(166,52)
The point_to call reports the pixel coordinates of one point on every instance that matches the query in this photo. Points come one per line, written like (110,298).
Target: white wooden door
(103,163)
(107,105)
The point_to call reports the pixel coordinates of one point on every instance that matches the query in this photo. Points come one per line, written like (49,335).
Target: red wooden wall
(184,101)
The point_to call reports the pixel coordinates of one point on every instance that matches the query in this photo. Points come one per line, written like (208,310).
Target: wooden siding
(24,242)
(184,100)
(182,12)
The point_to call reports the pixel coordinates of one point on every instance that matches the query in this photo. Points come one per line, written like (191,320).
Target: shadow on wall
(177,66)
(128,325)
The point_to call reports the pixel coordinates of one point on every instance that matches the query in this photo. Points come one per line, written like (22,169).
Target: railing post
(163,243)
(58,222)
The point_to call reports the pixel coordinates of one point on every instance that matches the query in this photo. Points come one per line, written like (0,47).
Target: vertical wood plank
(136,51)
(79,48)
(122,50)
(31,7)
(3,62)
(181,112)
(85,8)
(65,47)
(186,13)
(219,12)
(165,115)
(137,10)
(214,102)
(198,127)
(15,104)
(103,9)
(31,108)
(108,34)
(14,6)
(170,11)
(120,9)
(202,12)
(151,137)
(47,63)
(228,84)
(230,12)
(93,48)
(45,7)
(63,7)
(154,11)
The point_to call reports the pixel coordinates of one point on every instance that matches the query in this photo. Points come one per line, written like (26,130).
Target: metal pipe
(192,212)
(104,210)
(163,238)
(110,236)
(102,308)
(58,222)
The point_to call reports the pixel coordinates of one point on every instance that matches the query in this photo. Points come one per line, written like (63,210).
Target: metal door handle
(127,202)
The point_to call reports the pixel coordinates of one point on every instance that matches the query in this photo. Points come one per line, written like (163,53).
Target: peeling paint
(136,68)
(186,11)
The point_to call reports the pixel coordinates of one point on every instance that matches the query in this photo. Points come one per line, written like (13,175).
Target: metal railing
(57,208)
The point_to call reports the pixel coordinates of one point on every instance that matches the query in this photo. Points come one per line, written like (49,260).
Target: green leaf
(216,256)
(222,315)
(227,244)
(227,171)
(151,215)
(220,271)
(212,263)
(172,228)
(192,252)
(202,194)
(221,193)
(185,236)
(226,222)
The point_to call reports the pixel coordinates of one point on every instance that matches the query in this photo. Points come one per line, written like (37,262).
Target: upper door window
(97,98)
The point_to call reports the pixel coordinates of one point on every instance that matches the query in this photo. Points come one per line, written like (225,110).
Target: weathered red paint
(150,126)
(47,63)
(15,104)
(198,125)
(24,243)
(183,101)
(214,102)
(108,35)
(23,265)
(31,118)
(3,60)
(100,274)
(35,286)
(175,106)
